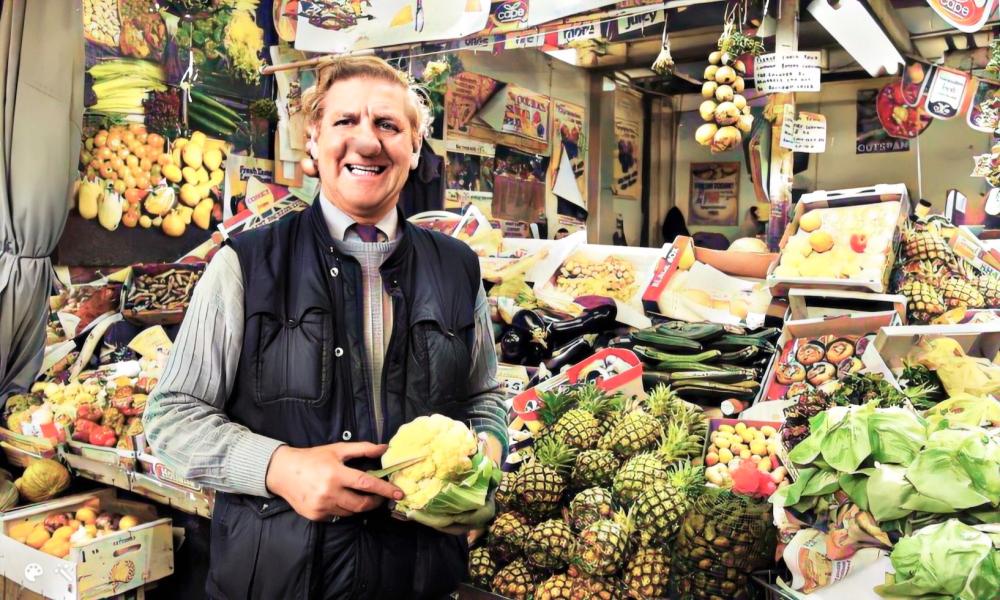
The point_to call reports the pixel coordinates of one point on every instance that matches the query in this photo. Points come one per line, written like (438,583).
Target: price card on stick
(947,93)
(792,72)
(807,133)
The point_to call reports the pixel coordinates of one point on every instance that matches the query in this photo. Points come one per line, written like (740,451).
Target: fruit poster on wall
(342,25)
(570,139)
(519,185)
(628,144)
(469,173)
(872,138)
(466,95)
(526,114)
(714,194)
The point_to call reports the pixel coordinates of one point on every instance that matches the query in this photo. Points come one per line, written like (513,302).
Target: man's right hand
(319,486)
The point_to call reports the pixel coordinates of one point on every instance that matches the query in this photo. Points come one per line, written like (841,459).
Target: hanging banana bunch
(664,63)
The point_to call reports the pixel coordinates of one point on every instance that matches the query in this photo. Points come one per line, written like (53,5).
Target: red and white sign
(965,15)
(948,93)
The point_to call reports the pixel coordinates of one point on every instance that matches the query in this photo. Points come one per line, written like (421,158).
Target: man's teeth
(365,170)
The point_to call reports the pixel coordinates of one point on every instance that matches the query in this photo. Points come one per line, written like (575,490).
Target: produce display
(735,448)
(591,506)
(848,242)
(167,290)
(132,179)
(613,278)
(85,303)
(725,110)
(59,532)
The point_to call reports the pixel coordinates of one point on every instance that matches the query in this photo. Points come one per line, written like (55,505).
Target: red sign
(964,15)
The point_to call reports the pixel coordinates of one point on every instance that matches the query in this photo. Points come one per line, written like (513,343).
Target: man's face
(363,146)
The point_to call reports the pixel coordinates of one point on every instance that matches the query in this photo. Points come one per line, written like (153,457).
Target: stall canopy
(42,100)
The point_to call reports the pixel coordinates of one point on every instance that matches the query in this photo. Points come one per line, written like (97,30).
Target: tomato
(859,242)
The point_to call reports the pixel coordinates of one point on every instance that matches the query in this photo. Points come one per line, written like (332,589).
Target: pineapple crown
(585,396)
(662,401)
(552,452)
(678,443)
(687,479)
(554,405)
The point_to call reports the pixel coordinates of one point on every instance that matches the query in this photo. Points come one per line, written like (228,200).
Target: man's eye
(340,122)
(388,126)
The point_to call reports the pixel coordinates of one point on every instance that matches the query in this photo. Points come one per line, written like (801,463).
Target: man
(306,346)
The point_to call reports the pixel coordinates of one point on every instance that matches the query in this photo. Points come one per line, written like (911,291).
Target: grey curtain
(42,101)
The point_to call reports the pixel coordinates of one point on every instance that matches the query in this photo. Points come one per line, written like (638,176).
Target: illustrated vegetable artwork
(454,475)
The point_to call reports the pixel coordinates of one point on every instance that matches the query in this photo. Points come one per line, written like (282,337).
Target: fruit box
(108,473)
(101,568)
(838,326)
(640,262)
(109,455)
(156,316)
(892,344)
(716,286)
(834,204)
(21,449)
(814,304)
(715,423)
(183,499)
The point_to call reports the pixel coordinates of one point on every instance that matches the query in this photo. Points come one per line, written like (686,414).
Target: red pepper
(89,412)
(82,429)
(103,436)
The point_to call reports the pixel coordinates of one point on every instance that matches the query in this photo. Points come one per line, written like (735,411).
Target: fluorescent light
(857,31)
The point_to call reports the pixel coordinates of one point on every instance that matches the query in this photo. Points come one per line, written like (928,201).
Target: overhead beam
(886,14)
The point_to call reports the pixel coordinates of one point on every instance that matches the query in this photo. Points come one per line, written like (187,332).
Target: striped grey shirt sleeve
(184,419)
(486,409)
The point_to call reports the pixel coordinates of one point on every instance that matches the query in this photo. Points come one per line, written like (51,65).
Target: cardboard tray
(841,198)
(108,455)
(22,449)
(842,325)
(156,316)
(102,568)
(818,304)
(196,503)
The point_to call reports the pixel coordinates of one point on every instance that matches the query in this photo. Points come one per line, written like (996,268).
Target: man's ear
(311,141)
(415,157)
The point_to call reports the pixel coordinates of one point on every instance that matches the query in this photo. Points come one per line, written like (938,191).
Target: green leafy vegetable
(896,435)
(936,474)
(949,560)
(887,490)
(468,494)
(848,444)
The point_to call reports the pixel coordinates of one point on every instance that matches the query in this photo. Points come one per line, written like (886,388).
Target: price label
(807,133)
(946,93)
(795,72)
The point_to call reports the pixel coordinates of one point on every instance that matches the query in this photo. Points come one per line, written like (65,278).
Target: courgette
(739,356)
(663,341)
(719,376)
(709,391)
(733,343)
(694,331)
(674,366)
(215,105)
(656,356)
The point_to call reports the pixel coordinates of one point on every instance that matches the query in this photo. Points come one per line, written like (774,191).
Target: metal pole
(780,183)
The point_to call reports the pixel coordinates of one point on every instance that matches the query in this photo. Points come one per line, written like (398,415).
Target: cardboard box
(21,449)
(112,474)
(157,469)
(892,344)
(199,503)
(159,316)
(102,568)
(843,325)
(109,455)
(837,199)
(731,288)
(642,260)
(818,304)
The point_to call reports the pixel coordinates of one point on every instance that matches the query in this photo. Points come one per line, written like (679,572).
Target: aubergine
(570,354)
(595,320)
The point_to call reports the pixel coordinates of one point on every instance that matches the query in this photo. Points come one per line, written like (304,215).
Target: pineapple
(516,581)
(508,533)
(549,545)
(660,508)
(989,287)
(604,546)
(540,484)
(594,467)
(669,408)
(580,426)
(647,574)
(557,587)
(635,432)
(504,495)
(961,292)
(594,588)
(926,245)
(590,506)
(482,567)
(637,474)
(923,300)
(679,443)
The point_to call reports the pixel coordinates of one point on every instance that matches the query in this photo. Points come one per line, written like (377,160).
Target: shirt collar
(338,222)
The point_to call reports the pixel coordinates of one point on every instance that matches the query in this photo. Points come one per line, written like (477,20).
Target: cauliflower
(449,445)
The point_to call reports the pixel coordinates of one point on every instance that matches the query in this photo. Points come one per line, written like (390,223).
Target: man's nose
(365,140)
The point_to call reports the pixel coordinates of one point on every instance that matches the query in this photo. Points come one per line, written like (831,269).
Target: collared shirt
(185,422)
(339,223)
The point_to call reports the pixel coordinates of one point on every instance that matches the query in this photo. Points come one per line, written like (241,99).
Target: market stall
(811,411)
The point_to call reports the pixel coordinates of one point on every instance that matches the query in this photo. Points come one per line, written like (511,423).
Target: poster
(239,170)
(794,72)
(984,110)
(628,144)
(469,172)
(526,114)
(947,93)
(871,137)
(807,133)
(965,15)
(714,194)
(519,185)
(568,127)
(466,95)
(342,25)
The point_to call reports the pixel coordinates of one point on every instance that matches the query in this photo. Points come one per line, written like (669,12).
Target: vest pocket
(294,357)
(445,358)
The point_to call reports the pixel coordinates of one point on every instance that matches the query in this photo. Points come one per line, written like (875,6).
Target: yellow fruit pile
(130,178)
(59,532)
(731,444)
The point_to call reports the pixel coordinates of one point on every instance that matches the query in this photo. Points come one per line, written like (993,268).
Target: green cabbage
(896,435)
(847,444)
(946,560)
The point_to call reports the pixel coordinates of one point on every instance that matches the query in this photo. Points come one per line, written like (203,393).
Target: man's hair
(367,67)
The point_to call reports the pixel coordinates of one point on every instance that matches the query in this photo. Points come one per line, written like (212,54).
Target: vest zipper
(383,400)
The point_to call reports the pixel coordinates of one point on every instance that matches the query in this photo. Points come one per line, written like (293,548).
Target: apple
(859,242)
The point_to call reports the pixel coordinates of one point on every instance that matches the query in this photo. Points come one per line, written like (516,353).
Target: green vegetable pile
(896,466)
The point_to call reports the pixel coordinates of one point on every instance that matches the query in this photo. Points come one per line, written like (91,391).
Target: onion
(745,123)
(726,114)
(704,134)
(707,110)
(726,138)
(710,72)
(739,101)
(739,85)
(708,89)
(724,93)
(724,75)
(740,67)
(714,58)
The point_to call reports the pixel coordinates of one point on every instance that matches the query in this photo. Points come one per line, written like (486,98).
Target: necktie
(369,233)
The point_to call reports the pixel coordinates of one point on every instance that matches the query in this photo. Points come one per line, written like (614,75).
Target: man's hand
(319,486)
